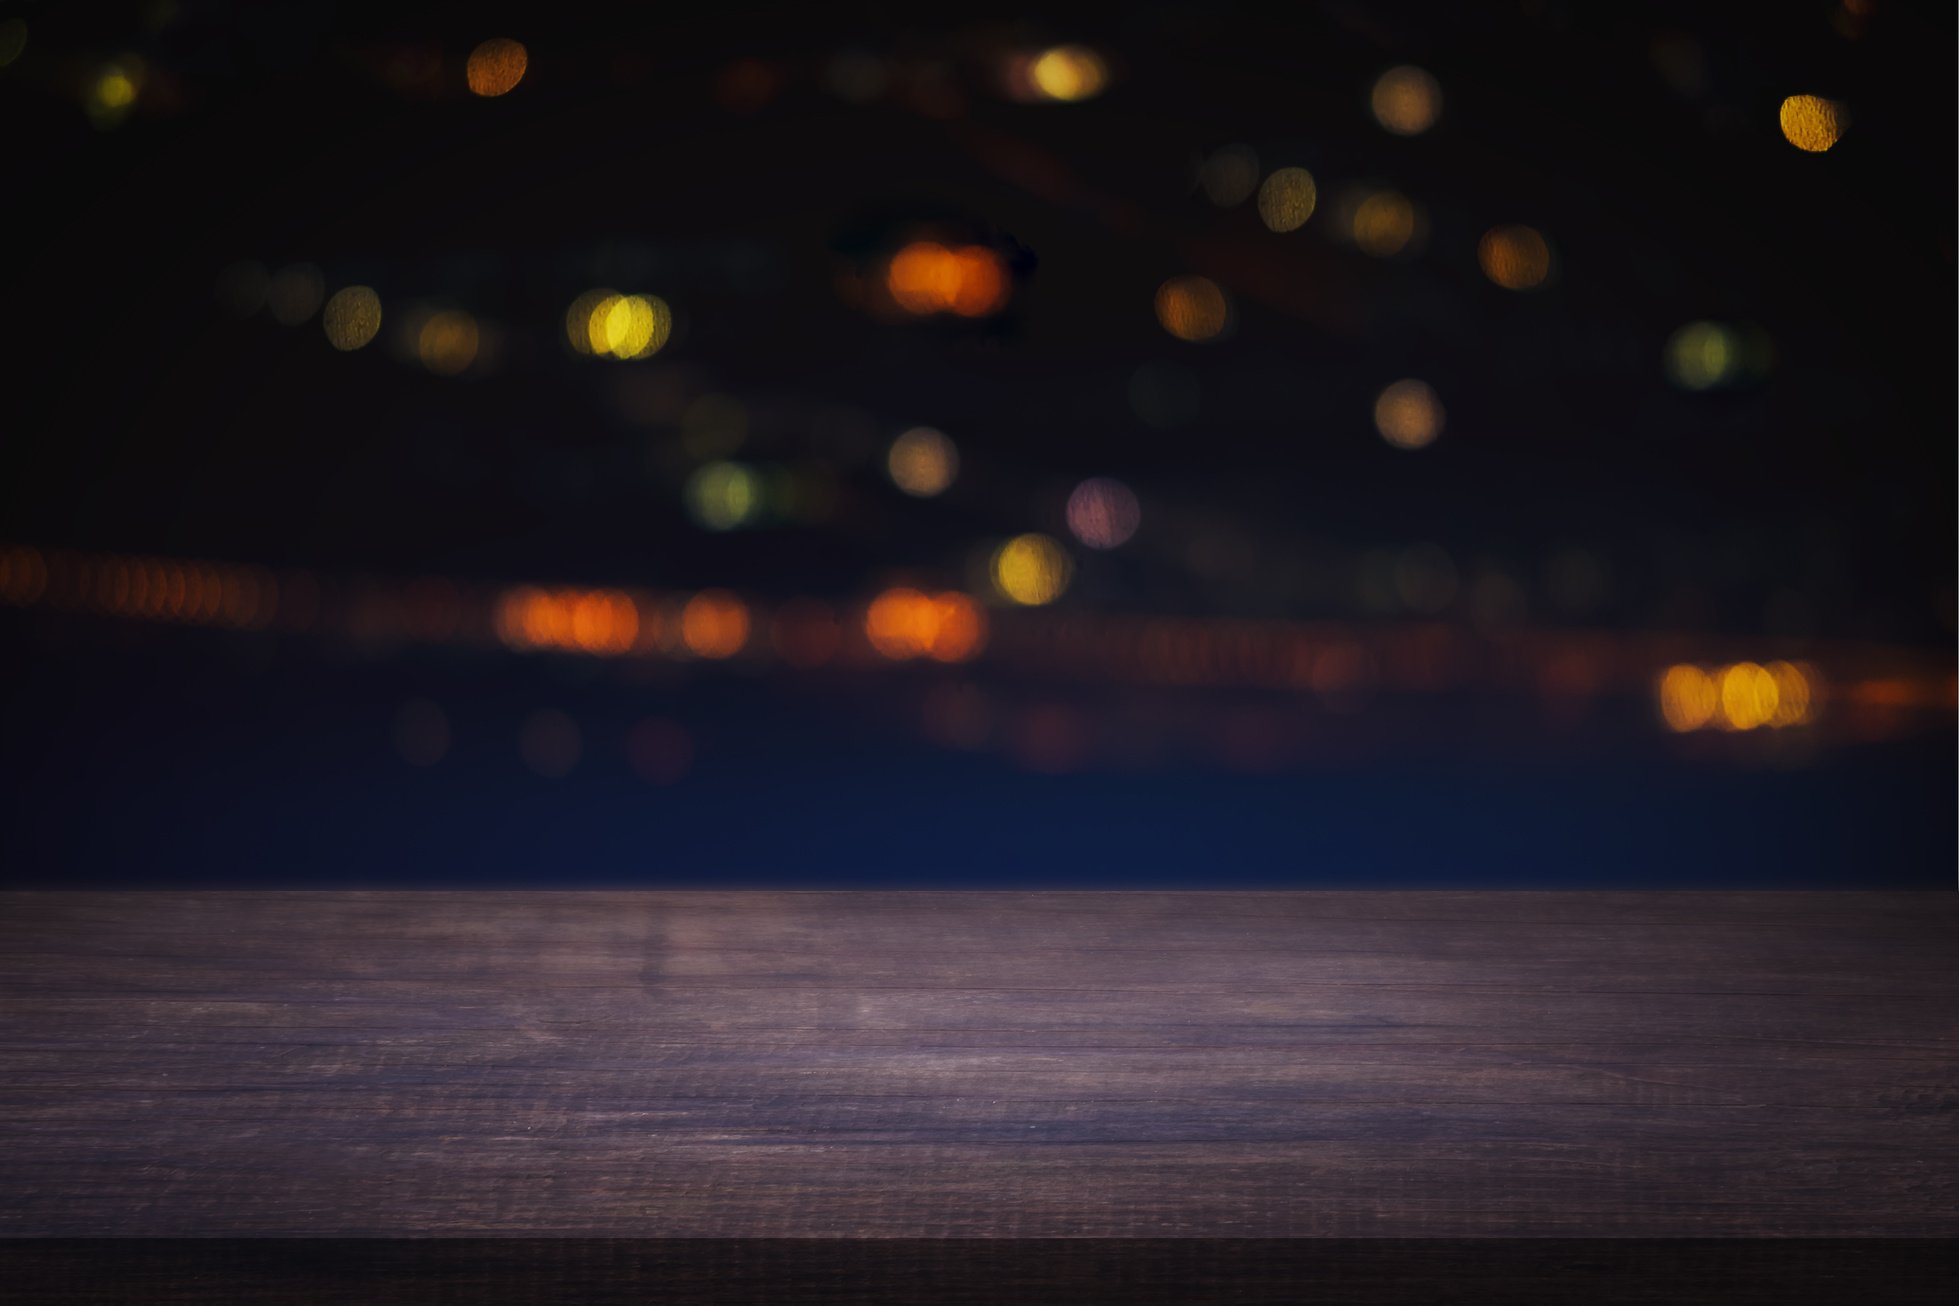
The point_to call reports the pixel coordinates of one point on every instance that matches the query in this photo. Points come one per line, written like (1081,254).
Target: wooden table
(1159,1068)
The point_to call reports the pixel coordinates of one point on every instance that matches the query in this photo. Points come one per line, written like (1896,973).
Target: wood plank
(995,1065)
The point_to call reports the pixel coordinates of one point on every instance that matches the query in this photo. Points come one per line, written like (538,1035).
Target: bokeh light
(1229,175)
(550,743)
(904,623)
(352,317)
(111,92)
(922,462)
(1408,415)
(1068,73)
(1031,570)
(1386,223)
(1286,199)
(1795,693)
(447,342)
(1406,100)
(1749,696)
(723,495)
(926,277)
(1688,697)
(1192,308)
(1811,123)
(629,326)
(1103,513)
(295,293)
(1516,258)
(496,66)
(714,624)
(602,622)
(1706,355)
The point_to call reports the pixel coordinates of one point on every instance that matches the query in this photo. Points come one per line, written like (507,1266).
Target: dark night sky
(709,159)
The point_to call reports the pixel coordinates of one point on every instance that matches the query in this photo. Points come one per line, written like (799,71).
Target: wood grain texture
(1001,1065)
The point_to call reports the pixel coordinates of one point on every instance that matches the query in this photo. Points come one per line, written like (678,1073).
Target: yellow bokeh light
(922,462)
(1287,198)
(352,317)
(1408,415)
(714,624)
(111,93)
(496,66)
(447,342)
(1031,569)
(1749,696)
(1385,224)
(1516,258)
(723,495)
(1702,355)
(1813,124)
(1192,308)
(629,326)
(1794,694)
(1069,72)
(578,318)
(1688,697)
(1406,100)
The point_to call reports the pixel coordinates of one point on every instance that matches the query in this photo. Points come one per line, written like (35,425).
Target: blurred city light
(1408,415)
(903,623)
(1811,123)
(1516,258)
(352,317)
(1385,223)
(1229,175)
(1706,355)
(1286,199)
(447,342)
(1031,570)
(926,277)
(714,624)
(112,90)
(496,66)
(922,462)
(1192,308)
(1069,72)
(295,293)
(1688,697)
(723,495)
(1406,100)
(1103,513)
(603,622)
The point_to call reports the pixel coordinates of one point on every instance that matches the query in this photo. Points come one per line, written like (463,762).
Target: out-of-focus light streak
(601,622)
(1738,696)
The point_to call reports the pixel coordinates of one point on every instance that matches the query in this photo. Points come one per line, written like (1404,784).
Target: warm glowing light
(629,326)
(1794,695)
(922,462)
(447,342)
(1031,569)
(295,293)
(926,277)
(111,93)
(1287,198)
(352,317)
(1516,258)
(1229,175)
(1069,72)
(602,622)
(714,624)
(1408,415)
(1749,696)
(903,623)
(1703,355)
(1406,100)
(578,318)
(496,66)
(1385,224)
(723,495)
(1192,308)
(1813,124)
(1688,697)
(1103,513)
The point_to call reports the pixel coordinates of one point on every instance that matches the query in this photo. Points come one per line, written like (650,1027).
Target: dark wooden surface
(1001,1065)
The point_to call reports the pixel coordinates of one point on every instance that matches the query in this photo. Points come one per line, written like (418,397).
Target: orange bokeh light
(714,624)
(926,277)
(903,623)
(604,622)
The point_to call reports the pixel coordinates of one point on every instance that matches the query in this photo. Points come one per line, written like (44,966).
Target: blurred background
(1325,445)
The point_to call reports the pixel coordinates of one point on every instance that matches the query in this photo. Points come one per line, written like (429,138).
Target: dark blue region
(184,759)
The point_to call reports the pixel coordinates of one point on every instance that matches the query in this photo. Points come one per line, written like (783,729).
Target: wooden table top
(1000,1065)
